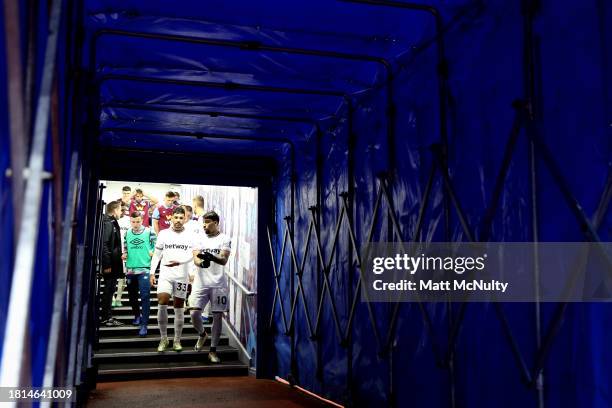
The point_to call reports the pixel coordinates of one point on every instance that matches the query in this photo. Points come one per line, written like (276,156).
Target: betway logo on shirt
(176,246)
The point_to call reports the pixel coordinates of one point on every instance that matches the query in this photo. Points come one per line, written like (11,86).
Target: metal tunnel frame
(12,370)
(390,128)
(526,116)
(227,86)
(252,46)
(523,120)
(258,46)
(442,76)
(232,86)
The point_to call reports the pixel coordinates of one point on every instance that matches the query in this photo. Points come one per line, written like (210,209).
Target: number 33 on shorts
(180,290)
(220,300)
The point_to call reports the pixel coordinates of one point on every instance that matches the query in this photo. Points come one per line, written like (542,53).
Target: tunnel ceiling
(164,70)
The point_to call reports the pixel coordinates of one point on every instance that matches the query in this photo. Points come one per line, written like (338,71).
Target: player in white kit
(192,225)
(210,254)
(174,249)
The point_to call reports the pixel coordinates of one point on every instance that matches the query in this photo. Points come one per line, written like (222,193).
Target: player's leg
(119,293)
(215,335)
(110,283)
(164,291)
(132,286)
(144,287)
(219,303)
(198,298)
(206,314)
(180,291)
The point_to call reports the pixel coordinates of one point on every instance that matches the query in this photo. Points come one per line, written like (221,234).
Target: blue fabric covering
(6,205)
(233,100)
(484,51)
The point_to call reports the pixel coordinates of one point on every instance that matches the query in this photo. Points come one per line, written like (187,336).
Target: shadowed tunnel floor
(197,392)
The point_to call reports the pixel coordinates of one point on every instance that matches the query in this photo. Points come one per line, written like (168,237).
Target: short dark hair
(126,188)
(187,208)
(178,210)
(176,194)
(111,207)
(211,215)
(170,194)
(139,191)
(135,214)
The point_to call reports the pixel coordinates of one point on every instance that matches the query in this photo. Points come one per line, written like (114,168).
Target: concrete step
(132,331)
(148,355)
(128,317)
(151,341)
(136,371)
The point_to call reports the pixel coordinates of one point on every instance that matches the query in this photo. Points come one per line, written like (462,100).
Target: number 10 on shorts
(219,301)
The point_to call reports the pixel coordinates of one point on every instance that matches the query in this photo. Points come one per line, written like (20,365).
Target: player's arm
(226,248)
(197,260)
(156,220)
(221,259)
(157,255)
(152,241)
(125,250)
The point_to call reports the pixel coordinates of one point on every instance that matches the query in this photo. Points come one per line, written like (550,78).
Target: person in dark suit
(112,264)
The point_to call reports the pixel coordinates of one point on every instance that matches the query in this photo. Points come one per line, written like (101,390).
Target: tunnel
(354,123)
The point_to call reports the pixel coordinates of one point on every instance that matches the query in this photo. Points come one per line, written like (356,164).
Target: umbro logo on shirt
(137,241)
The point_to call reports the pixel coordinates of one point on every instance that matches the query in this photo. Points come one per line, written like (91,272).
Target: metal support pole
(56,154)
(300,271)
(248,46)
(557,318)
(361,280)
(442,68)
(487,220)
(17,126)
(529,9)
(211,113)
(206,135)
(293,371)
(315,215)
(13,371)
(415,238)
(58,318)
(277,275)
(326,267)
(442,75)
(350,197)
(222,85)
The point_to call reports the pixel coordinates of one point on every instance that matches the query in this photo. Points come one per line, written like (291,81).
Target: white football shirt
(194,227)
(175,246)
(214,275)
(124,225)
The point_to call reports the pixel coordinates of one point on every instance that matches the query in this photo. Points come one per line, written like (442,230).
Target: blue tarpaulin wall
(32,50)
(333,126)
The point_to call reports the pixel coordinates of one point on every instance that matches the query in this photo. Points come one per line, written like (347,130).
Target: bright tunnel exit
(125,348)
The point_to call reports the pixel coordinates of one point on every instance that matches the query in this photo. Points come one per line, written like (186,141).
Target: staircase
(123,355)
